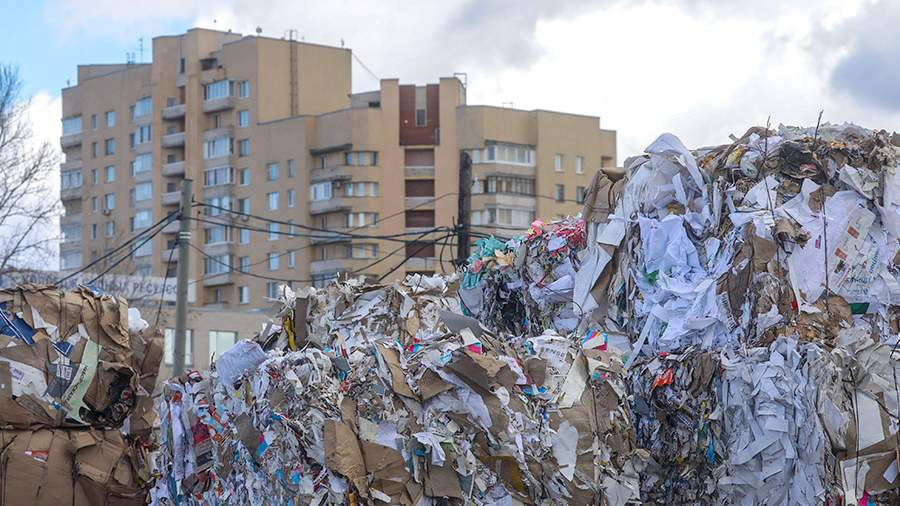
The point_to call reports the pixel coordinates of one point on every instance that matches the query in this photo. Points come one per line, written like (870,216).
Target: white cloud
(701,69)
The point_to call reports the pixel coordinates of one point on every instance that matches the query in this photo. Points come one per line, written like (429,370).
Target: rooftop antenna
(508,104)
(141,49)
(258,30)
(342,42)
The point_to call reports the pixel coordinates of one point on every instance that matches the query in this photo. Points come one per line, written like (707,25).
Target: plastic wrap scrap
(389,395)
(677,418)
(526,285)
(76,372)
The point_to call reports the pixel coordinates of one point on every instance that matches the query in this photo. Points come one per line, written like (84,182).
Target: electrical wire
(408,256)
(126,257)
(391,237)
(163,291)
(164,221)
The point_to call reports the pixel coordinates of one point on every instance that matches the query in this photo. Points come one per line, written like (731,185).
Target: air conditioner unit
(107,212)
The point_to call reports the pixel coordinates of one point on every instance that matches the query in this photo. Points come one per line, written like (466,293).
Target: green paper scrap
(859,307)
(651,277)
(73,399)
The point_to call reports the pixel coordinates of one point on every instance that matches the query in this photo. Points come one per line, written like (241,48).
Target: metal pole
(184,236)
(464,209)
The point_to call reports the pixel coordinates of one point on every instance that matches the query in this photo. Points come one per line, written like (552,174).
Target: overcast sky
(701,69)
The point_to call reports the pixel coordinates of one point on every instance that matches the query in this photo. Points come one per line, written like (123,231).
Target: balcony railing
(171,198)
(70,140)
(218,104)
(176,111)
(174,140)
(74,193)
(173,168)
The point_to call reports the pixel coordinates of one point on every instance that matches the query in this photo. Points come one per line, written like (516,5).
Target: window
(110,173)
(144,250)
(95,177)
(244,147)
(503,216)
(292,168)
(243,118)
(214,148)
(110,119)
(418,158)
(169,346)
(70,260)
(292,259)
(217,89)
(420,117)
(579,194)
(93,231)
(361,189)
(513,154)
(93,150)
(217,205)
(322,280)
(142,107)
(362,250)
(141,219)
(109,201)
(243,205)
(273,261)
(272,172)
(244,89)
(216,234)
(419,218)
(95,204)
(217,176)
(243,295)
(476,156)
(579,165)
(558,162)
(361,219)
(181,66)
(109,146)
(141,134)
(141,163)
(71,231)
(93,121)
(71,125)
(560,193)
(110,228)
(244,264)
(142,192)
(420,249)
(220,341)
(291,198)
(320,191)
(244,177)
(506,184)
(244,236)
(273,231)
(70,179)
(272,201)
(216,264)
(272,289)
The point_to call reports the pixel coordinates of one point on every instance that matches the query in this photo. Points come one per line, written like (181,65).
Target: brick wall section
(410,134)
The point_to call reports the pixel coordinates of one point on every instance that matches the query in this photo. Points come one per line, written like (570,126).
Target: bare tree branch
(27,204)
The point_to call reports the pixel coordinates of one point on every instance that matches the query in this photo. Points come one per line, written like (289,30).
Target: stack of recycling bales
(76,372)
(718,327)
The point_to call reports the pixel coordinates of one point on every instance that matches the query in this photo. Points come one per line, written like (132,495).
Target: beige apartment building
(269,128)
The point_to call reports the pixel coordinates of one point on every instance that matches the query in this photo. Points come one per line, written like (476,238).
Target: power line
(167,219)
(391,237)
(358,60)
(131,252)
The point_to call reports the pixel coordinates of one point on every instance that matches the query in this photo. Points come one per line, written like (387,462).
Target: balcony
(336,173)
(70,165)
(171,198)
(67,194)
(323,266)
(70,140)
(332,236)
(218,104)
(215,133)
(174,111)
(419,202)
(218,161)
(173,226)
(419,172)
(175,140)
(173,168)
(331,205)
(421,264)
(225,278)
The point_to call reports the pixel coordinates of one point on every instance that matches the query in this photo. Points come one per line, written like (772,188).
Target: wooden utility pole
(464,210)
(181,293)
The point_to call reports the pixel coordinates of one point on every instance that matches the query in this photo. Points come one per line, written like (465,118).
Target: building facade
(295,178)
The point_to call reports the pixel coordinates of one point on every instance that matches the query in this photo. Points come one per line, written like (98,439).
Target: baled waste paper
(76,372)
(394,397)
(717,327)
